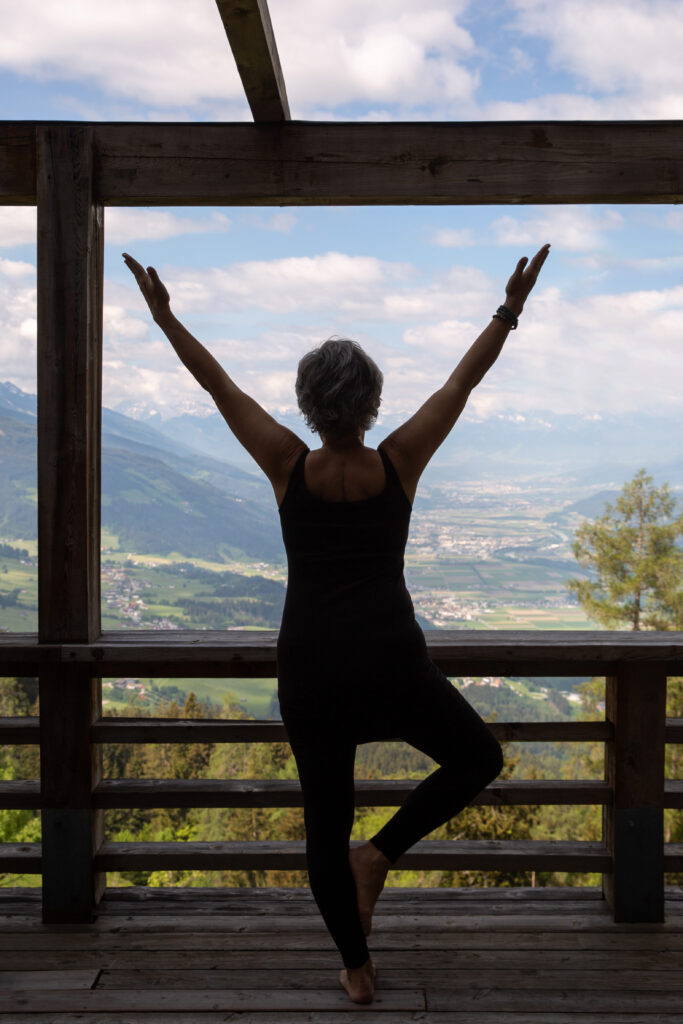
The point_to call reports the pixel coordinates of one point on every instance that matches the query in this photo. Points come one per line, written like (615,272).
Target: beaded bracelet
(507,316)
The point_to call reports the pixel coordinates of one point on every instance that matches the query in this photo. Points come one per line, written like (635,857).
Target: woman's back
(348,472)
(345,593)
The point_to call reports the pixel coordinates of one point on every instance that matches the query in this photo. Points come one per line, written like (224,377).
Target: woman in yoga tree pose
(352,661)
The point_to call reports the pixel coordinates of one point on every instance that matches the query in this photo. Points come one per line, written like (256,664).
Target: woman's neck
(345,443)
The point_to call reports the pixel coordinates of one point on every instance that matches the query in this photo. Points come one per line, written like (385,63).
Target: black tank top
(346,599)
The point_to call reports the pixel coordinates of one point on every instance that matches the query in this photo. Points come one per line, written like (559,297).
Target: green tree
(632,554)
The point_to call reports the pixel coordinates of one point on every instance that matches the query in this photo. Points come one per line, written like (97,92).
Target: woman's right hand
(523,279)
(153,289)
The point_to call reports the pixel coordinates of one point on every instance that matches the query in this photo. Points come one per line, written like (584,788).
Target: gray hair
(338,388)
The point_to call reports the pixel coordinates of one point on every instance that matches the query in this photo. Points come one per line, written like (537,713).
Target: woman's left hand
(523,279)
(153,289)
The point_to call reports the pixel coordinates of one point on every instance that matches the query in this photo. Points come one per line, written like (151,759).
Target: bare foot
(369,868)
(359,982)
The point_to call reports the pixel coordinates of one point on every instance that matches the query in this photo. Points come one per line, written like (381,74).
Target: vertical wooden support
(70,270)
(634,768)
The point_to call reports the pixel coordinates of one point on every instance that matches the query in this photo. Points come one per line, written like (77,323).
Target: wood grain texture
(287,793)
(635,703)
(253,960)
(19,730)
(221,730)
(304,163)
(70,268)
(251,653)
(250,33)
(515,855)
(17,163)
(72,827)
(70,264)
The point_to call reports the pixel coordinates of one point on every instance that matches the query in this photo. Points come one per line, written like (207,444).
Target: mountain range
(185,484)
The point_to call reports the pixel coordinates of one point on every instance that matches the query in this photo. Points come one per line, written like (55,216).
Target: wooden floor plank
(317,940)
(355,1016)
(583,957)
(548,1001)
(476,958)
(527,977)
(47,979)
(182,1001)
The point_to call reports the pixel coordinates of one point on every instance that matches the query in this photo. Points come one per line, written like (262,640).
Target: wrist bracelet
(507,316)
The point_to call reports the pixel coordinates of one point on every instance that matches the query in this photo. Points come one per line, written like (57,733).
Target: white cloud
(18,330)
(620,50)
(281,223)
(16,268)
(173,56)
(163,52)
(609,353)
(574,228)
(17,226)
(126,225)
(333,281)
(395,53)
(454,238)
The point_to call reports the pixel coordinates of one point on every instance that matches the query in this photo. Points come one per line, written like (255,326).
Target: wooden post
(70,262)
(634,768)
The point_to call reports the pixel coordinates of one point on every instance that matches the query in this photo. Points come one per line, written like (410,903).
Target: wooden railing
(73,796)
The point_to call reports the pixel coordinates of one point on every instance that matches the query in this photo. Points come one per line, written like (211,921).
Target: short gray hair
(338,388)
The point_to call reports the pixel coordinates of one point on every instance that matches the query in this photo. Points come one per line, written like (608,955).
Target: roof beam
(317,163)
(250,34)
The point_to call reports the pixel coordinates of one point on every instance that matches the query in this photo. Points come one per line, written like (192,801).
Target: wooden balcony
(73,796)
(81,952)
(263,956)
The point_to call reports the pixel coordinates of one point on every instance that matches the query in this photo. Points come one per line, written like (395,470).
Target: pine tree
(636,564)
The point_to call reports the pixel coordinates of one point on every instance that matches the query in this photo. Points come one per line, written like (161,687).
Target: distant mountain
(158,495)
(186,484)
(602,452)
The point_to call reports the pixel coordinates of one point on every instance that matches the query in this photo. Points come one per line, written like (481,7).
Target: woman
(352,661)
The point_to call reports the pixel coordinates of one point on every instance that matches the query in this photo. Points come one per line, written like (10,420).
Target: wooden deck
(509,956)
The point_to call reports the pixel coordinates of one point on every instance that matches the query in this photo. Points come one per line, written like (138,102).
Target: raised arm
(412,445)
(275,448)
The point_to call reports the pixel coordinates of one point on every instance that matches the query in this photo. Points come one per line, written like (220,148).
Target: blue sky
(602,332)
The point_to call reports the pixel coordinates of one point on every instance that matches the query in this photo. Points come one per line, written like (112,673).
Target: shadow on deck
(545,956)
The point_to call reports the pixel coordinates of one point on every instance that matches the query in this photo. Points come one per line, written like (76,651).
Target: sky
(601,333)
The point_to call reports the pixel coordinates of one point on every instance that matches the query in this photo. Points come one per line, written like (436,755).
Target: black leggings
(430,715)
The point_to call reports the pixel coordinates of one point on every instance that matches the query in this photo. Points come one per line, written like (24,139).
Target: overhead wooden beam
(17,162)
(315,163)
(250,34)
(329,164)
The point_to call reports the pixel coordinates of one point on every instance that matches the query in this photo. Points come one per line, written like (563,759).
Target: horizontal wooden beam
(111,793)
(493,855)
(287,793)
(320,163)
(249,30)
(221,730)
(17,163)
(19,730)
(501,855)
(247,653)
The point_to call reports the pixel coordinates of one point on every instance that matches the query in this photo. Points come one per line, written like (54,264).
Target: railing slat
(287,793)
(221,730)
(502,855)
(25,794)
